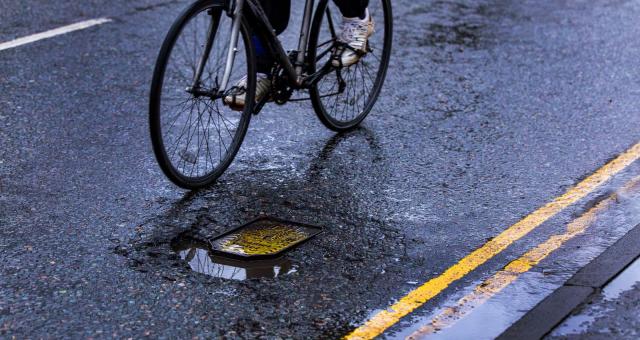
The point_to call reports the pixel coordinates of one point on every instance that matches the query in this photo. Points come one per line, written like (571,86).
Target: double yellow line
(419,296)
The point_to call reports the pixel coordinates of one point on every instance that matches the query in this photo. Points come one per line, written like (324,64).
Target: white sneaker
(237,96)
(355,33)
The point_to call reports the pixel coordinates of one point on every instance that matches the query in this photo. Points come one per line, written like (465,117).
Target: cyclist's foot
(235,99)
(355,35)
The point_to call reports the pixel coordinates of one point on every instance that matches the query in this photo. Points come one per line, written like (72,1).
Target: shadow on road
(341,190)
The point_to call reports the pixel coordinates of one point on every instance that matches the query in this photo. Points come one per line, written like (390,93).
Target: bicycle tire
(324,113)
(169,168)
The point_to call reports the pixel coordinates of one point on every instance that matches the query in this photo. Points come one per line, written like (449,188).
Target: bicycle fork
(233,43)
(211,33)
(195,87)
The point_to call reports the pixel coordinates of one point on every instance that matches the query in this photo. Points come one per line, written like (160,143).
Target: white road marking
(52,33)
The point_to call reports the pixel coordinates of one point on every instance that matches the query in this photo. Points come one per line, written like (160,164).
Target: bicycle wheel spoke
(365,89)
(200,142)
(216,123)
(354,85)
(219,116)
(184,50)
(211,121)
(371,78)
(184,156)
(347,109)
(335,102)
(184,128)
(176,116)
(373,54)
(207,137)
(356,94)
(330,41)
(219,129)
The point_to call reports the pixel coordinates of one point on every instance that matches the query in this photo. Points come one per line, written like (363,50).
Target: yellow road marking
(419,296)
(516,268)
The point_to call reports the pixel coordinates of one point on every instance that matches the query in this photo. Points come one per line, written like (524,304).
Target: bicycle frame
(294,70)
(265,31)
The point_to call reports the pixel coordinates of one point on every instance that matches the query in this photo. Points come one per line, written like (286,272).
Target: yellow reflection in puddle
(262,240)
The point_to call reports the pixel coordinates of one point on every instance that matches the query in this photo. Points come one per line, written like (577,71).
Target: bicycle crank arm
(313,79)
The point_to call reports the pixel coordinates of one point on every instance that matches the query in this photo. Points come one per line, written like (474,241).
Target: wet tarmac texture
(491,109)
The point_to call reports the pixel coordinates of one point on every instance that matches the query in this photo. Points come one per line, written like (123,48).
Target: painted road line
(52,33)
(490,287)
(419,296)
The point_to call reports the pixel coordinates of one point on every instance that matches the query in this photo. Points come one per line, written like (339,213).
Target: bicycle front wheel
(343,98)
(195,136)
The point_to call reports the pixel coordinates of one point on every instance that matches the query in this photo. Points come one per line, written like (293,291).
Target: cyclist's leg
(357,27)
(352,8)
(278,12)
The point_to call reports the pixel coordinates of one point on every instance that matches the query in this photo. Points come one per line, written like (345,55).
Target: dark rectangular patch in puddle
(263,238)
(198,254)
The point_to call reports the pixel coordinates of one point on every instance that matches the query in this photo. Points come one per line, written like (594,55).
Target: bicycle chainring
(281,92)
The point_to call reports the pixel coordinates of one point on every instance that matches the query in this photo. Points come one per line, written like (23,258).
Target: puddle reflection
(200,257)
(578,324)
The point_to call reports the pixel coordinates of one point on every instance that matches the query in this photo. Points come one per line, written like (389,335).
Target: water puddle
(580,323)
(202,259)
(624,282)
(484,319)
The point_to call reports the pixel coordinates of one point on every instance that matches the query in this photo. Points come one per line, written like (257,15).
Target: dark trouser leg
(278,12)
(352,8)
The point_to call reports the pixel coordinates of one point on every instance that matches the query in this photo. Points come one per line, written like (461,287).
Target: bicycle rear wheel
(343,98)
(195,136)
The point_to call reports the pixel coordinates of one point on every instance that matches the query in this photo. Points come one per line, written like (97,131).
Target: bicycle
(211,44)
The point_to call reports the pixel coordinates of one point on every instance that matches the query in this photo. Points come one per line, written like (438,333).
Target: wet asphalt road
(491,109)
